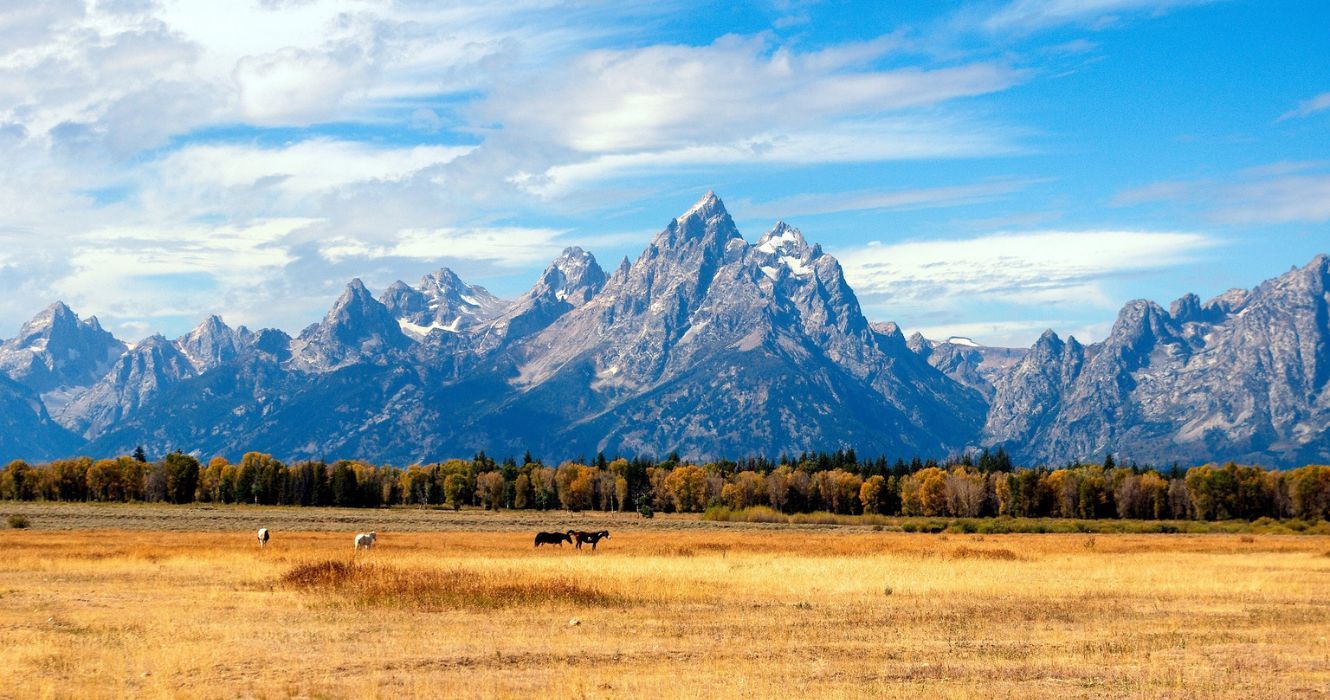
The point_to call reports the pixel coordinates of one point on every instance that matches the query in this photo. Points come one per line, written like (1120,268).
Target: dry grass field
(672,607)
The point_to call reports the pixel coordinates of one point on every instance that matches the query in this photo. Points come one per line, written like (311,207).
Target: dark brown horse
(553,538)
(589,537)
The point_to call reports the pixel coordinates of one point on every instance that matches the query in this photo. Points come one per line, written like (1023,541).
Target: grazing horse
(366,540)
(263,537)
(590,537)
(553,538)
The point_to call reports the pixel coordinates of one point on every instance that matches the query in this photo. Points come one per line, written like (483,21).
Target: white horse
(263,537)
(365,540)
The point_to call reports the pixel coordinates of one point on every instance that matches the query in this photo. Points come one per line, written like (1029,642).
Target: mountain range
(705,345)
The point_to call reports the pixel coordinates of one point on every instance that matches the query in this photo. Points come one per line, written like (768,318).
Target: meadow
(179,601)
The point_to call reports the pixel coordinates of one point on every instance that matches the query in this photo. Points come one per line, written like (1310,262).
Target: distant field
(226,518)
(48,515)
(94,603)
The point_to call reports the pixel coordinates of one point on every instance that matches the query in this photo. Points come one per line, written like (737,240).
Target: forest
(986,484)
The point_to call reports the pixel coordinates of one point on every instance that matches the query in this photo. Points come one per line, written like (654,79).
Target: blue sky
(987,169)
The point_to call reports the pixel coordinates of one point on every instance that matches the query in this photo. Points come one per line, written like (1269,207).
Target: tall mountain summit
(707,345)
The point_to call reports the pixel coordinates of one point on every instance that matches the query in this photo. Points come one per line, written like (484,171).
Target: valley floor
(463,605)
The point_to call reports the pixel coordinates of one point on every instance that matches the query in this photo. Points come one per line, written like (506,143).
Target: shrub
(995,554)
(18,522)
(440,589)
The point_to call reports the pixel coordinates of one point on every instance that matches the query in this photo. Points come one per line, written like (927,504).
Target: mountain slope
(26,431)
(55,354)
(1243,376)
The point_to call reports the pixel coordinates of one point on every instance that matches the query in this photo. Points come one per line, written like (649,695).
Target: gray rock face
(55,354)
(139,376)
(441,302)
(213,344)
(356,329)
(1242,376)
(966,362)
(156,366)
(26,431)
(569,282)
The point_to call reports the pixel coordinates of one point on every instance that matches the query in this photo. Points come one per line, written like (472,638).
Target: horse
(263,537)
(553,538)
(591,537)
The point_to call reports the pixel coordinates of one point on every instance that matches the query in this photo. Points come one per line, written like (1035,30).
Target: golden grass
(716,611)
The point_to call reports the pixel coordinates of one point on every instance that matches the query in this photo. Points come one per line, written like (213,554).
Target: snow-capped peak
(783,238)
(709,205)
(787,245)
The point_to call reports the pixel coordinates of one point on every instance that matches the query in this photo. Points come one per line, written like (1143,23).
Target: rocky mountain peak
(211,343)
(444,280)
(574,277)
(919,345)
(1048,343)
(570,281)
(621,272)
(1186,309)
(442,301)
(1140,326)
(356,328)
(55,350)
(705,208)
(784,239)
(706,224)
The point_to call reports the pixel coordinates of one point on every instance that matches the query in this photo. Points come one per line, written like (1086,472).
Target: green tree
(454,489)
(345,490)
(182,477)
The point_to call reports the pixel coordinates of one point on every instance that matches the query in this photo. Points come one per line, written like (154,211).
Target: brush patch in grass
(441,589)
(994,554)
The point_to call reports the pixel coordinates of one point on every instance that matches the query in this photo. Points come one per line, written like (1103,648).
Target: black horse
(553,538)
(589,537)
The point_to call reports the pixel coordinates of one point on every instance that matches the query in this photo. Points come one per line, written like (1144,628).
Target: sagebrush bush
(18,522)
(440,589)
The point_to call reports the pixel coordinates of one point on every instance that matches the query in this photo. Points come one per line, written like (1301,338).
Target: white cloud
(670,97)
(141,272)
(295,85)
(885,139)
(919,198)
(1028,269)
(1306,108)
(304,167)
(505,246)
(1029,15)
(1277,193)
(1277,200)
(740,100)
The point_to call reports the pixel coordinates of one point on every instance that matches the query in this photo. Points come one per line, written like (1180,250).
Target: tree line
(986,484)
